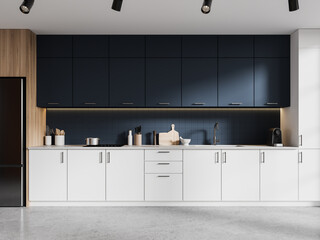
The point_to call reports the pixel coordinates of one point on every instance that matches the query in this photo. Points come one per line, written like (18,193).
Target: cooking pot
(92,141)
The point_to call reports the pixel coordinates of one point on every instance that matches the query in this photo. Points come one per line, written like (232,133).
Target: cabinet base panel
(176,204)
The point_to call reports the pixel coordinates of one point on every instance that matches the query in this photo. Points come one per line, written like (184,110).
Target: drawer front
(163,167)
(163,155)
(163,187)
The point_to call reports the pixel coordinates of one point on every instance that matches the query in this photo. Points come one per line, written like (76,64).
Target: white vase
(59,140)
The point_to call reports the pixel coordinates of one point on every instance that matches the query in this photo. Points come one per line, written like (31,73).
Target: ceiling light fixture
(26,6)
(206,6)
(293,5)
(116,5)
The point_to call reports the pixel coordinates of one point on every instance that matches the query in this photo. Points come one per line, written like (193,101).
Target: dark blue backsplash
(245,126)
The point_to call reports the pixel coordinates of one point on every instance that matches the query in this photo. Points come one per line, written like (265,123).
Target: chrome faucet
(216,127)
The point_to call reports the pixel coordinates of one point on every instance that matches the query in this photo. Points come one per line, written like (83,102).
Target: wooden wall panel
(18,59)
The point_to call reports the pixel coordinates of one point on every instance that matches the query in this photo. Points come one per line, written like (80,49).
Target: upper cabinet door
(87,46)
(127,82)
(54,46)
(235,46)
(127,46)
(199,46)
(235,84)
(90,82)
(272,82)
(163,82)
(54,82)
(163,46)
(199,82)
(272,46)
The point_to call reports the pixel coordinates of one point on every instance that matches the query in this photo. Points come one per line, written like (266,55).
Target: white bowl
(185,141)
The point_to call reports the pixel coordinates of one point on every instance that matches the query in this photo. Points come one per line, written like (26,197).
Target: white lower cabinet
(240,175)
(279,175)
(201,175)
(86,175)
(163,187)
(47,175)
(125,175)
(309,175)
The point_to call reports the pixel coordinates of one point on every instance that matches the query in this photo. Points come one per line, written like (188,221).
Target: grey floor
(140,223)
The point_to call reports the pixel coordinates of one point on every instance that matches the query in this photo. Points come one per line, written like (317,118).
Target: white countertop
(174,147)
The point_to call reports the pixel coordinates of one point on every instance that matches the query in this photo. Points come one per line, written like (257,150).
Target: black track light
(26,6)
(206,6)
(293,5)
(116,5)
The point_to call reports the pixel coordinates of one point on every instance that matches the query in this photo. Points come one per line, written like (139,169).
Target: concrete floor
(160,223)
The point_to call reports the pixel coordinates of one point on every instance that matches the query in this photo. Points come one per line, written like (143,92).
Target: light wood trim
(18,57)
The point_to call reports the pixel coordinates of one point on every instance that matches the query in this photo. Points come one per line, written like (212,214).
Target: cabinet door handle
(100,157)
(236,103)
(53,103)
(163,103)
(163,151)
(300,157)
(217,157)
(163,163)
(224,155)
(127,103)
(263,157)
(162,176)
(62,157)
(109,157)
(90,103)
(271,103)
(300,140)
(198,103)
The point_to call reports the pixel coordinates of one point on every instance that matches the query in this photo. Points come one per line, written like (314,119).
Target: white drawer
(163,187)
(163,167)
(163,155)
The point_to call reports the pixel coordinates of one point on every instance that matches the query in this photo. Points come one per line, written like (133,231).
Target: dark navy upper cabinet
(235,46)
(54,46)
(199,46)
(54,82)
(90,82)
(163,82)
(163,46)
(235,84)
(87,46)
(272,82)
(127,46)
(199,82)
(272,46)
(127,82)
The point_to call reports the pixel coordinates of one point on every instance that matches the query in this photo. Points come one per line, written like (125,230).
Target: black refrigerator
(12,142)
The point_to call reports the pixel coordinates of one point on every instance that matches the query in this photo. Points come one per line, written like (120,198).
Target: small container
(59,140)
(47,140)
(92,141)
(130,138)
(138,139)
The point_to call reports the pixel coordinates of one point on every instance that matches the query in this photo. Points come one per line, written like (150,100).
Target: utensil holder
(138,139)
(59,140)
(47,140)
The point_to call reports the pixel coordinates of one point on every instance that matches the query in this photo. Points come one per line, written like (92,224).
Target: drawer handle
(217,157)
(163,163)
(62,157)
(163,176)
(100,157)
(90,103)
(197,103)
(127,103)
(271,103)
(263,157)
(300,157)
(236,103)
(53,103)
(163,103)
(163,151)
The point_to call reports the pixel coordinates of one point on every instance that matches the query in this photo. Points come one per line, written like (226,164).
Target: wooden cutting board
(170,138)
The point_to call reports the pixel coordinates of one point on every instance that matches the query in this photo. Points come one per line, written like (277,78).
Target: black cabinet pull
(53,103)
(163,151)
(236,103)
(163,103)
(90,103)
(163,176)
(163,163)
(271,103)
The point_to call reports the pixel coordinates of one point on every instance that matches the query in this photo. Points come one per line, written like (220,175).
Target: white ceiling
(160,17)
